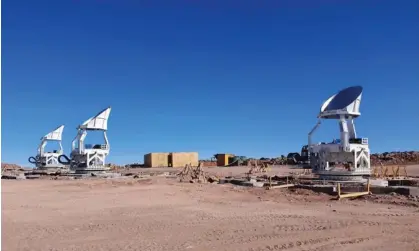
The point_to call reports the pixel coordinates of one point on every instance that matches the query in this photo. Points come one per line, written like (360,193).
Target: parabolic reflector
(345,102)
(98,122)
(56,134)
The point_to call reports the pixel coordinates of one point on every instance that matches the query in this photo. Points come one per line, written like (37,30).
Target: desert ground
(160,213)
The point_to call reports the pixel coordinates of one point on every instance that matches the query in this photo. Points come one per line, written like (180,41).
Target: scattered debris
(392,199)
(256,168)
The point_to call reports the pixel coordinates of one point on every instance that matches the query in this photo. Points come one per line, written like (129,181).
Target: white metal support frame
(84,158)
(349,158)
(44,159)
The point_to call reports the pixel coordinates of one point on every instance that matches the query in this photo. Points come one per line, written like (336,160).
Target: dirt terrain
(162,214)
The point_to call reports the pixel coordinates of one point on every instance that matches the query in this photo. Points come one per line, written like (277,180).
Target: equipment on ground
(227,160)
(300,159)
(45,160)
(237,161)
(88,158)
(304,161)
(292,158)
(349,157)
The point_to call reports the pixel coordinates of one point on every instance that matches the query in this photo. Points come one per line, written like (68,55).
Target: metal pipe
(344,134)
(312,131)
(108,147)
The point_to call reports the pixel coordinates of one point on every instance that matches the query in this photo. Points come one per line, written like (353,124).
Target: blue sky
(246,77)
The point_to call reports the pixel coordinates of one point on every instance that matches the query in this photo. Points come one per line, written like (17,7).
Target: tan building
(222,158)
(156,159)
(174,159)
(180,159)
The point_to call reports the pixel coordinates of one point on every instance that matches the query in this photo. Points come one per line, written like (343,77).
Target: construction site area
(328,196)
(150,209)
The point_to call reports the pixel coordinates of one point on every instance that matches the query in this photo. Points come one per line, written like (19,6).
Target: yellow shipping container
(156,160)
(180,159)
(222,158)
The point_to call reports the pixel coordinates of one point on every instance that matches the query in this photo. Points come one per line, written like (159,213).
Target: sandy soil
(163,214)
(413,170)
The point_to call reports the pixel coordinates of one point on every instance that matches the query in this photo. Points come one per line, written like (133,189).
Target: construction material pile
(255,167)
(11,170)
(7,166)
(195,175)
(395,158)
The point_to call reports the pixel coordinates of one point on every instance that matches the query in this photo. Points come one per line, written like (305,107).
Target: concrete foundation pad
(237,181)
(403,190)
(224,181)
(252,183)
(328,189)
(331,189)
(404,182)
(379,183)
(107,175)
(79,175)
(246,184)
(258,184)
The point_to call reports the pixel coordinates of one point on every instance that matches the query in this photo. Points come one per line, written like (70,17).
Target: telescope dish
(87,158)
(56,134)
(98,122)
(346,102)
(348,158)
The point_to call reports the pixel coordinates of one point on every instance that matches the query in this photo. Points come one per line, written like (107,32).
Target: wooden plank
(280,186)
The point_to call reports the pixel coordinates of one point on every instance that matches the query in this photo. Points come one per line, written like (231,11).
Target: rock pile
(395,158)
(195,175)
(9,167)
(11,170)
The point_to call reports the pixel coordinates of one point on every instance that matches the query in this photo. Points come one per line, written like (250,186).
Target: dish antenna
(349,152)
(88,158)
(44,160)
